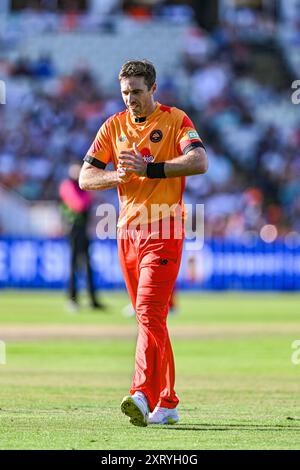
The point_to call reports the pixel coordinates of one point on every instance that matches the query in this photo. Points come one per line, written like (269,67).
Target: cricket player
(153,148)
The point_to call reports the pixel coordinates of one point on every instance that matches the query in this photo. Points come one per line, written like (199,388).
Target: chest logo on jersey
(147,157)
(121,138)
(156,135)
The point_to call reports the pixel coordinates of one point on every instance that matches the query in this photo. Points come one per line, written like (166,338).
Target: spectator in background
(76,204)
(251,126)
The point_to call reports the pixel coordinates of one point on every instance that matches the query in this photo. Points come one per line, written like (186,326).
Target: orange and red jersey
(165,134)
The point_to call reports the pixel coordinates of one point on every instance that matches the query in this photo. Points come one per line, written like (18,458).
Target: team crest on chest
(156,135)
(121,138)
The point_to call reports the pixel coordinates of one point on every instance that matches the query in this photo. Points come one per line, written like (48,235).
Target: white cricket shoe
(163,416)
(136,407)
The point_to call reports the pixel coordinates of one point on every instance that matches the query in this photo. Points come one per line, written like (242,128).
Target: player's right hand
(123,176)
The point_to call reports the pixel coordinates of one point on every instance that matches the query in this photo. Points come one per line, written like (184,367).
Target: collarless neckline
(148,118)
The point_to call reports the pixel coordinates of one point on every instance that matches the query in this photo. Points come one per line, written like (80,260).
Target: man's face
(137,98)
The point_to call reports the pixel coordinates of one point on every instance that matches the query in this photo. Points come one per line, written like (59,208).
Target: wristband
(156,170)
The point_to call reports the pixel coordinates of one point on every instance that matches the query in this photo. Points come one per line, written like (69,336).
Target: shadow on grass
(230,427)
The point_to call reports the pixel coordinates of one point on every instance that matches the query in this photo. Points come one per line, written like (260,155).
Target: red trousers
(150,267)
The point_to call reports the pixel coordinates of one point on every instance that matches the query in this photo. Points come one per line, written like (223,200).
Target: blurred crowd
(252,135)
(250,129)
(43,16)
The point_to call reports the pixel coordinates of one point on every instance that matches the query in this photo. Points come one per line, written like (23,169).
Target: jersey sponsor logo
(156,136)
(147,157)
(193,135)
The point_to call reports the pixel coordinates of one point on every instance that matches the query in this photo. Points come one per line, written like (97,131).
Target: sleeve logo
(193,135)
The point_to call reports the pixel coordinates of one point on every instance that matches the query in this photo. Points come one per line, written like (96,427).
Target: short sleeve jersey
(165,134)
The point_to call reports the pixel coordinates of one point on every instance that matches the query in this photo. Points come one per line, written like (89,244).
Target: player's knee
(151,317)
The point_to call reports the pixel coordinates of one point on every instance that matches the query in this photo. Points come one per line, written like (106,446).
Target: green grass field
(238,386)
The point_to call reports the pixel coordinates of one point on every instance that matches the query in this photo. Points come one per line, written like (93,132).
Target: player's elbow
(203,165)
(201,162)
(86,176)
(83,181)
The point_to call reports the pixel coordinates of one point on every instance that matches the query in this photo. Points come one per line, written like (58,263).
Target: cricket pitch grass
(238,376)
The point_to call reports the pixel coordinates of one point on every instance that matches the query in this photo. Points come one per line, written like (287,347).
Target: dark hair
(139,68)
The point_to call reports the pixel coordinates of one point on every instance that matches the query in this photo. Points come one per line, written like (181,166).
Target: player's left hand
(133,162)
